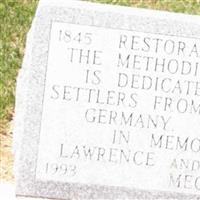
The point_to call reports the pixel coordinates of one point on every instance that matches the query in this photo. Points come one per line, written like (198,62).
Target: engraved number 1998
(60,169)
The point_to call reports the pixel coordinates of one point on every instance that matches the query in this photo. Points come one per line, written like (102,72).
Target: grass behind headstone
(15,19)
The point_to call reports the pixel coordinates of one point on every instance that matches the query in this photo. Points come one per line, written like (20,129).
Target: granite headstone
(108,104)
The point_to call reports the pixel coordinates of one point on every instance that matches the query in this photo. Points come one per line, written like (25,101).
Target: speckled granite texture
(30,89)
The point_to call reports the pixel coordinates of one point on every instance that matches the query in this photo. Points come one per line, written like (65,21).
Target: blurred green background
(15,20)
